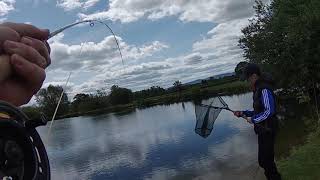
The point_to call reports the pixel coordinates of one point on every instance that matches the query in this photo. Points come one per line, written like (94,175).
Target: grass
(304,161)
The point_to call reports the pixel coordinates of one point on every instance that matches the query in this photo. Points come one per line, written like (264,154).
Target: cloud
(191,10)
(194,58)
(222,42)
(2,20)
(96,56)
(161,73)
(69,5)
(89,3)
(99,65)
(6,6)
(216,53)
(133,74)
(223,37)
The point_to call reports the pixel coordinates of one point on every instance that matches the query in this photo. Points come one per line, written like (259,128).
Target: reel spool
(22,152)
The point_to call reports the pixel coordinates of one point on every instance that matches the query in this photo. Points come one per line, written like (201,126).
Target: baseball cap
(249,70)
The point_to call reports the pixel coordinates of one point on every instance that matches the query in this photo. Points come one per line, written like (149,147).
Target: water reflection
(153,143)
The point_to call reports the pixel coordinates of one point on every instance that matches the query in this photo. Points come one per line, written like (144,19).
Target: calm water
(153,143)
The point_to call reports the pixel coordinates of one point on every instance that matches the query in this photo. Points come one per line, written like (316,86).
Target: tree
(79,101)
(177,85)
(48,99)
(120,95)
(80,98)
(240,68)
(152,91)
(204,83)
(32,112)
(284,37)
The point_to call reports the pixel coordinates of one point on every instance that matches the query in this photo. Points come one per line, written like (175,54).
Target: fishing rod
(5,67)
(22,153)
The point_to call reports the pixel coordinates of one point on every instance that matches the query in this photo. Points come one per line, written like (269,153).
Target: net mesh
(206,114)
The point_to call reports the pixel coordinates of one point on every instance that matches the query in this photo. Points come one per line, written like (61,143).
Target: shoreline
(191,94)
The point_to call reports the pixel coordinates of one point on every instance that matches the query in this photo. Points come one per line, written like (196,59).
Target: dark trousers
(266,155)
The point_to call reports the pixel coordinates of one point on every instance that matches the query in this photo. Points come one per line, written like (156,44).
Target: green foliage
(196,93)
(177,85)
(32,112)
(102,102)
(120,95)
(48,99)
(204,83)
(285,37)
(150,92)
(240,68)
(88,102)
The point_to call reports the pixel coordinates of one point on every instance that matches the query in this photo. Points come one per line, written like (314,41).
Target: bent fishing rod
(5,67)
(22,153)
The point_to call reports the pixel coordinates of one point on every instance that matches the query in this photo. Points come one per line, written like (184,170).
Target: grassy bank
(304,161)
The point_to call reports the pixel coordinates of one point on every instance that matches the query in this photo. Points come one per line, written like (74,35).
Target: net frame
(206,115)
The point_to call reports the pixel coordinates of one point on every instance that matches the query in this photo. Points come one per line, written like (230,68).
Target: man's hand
(249,120)
(15,31)
(24,46)
(238,113)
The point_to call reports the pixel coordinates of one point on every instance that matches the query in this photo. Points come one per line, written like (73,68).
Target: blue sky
(162,40)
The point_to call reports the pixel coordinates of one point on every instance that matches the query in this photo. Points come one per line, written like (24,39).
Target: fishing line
(57,107)
(60,99)
(92,24)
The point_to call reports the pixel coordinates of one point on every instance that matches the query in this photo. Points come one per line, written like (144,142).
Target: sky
(161,40)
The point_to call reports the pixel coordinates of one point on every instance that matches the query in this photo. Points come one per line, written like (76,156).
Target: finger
(33,74)
(26,52)
(49,50)
(7,34)
(40,46)
(28,30)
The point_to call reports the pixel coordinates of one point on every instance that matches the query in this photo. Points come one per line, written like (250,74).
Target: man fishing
(263,117)
(25,47)
(24,53)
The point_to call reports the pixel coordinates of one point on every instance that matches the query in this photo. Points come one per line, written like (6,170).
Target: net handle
(225,108)
(215,107)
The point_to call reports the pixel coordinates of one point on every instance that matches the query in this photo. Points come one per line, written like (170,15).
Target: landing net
(206,114)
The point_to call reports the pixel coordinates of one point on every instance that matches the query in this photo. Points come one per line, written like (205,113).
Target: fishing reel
(22,152)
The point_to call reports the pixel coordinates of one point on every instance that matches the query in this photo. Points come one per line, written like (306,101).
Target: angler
(263,117)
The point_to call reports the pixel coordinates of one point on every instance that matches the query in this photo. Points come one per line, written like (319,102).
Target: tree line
(47,99)
(284,37)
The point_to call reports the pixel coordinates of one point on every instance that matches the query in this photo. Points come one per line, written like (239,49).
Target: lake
(153,143)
